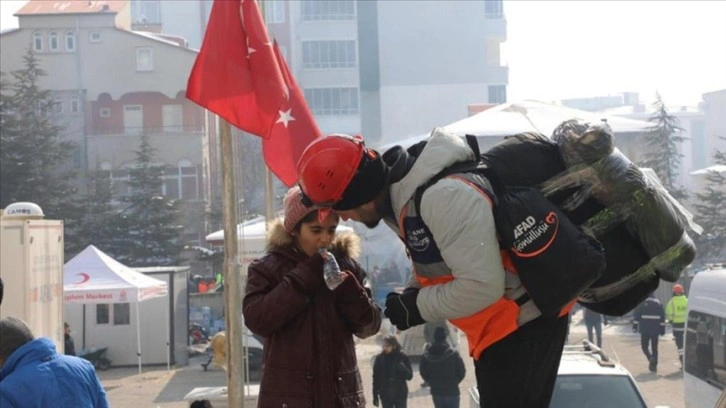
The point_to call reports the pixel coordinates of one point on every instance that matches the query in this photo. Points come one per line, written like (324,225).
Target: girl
(309,352)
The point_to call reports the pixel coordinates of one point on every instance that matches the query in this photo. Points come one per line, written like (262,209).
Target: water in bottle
(331,270)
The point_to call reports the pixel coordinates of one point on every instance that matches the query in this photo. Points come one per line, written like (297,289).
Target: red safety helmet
(678,289)
(327,166)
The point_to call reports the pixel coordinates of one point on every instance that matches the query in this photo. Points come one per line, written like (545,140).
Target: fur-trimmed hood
(345,243)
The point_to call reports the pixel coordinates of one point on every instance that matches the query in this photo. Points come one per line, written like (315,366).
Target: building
(714,106)
(112,85)
(691,118)
(386,69)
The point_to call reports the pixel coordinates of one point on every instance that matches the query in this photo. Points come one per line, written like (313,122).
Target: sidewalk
(159,388)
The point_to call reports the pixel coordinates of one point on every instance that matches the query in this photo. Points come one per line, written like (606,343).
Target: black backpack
(554,258)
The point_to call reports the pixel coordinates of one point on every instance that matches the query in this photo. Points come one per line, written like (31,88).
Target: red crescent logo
(84,278)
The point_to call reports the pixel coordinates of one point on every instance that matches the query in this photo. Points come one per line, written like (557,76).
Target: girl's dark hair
(201,404)
(308,218)
(393,342)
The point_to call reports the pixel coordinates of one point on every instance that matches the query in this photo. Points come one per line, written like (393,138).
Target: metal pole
(232,278)
(269,197)
(138,335)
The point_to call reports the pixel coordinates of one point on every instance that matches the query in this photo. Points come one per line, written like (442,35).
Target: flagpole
(269,195)
(232,278)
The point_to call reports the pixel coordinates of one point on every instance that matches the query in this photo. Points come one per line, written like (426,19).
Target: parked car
(587,377)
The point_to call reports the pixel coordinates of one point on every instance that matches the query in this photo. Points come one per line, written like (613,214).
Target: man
(428,332)
(649,320)
(451,239)
(443,369)
(676,312)
(33,374)
(68,344)
(594,322)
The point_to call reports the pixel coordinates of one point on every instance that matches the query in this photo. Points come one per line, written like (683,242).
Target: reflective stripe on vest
(490,324)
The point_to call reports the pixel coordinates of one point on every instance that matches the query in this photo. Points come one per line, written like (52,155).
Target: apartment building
(387,69)
(112,85)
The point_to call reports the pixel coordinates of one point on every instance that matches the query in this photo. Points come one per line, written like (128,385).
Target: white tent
(526,116)
(93,277)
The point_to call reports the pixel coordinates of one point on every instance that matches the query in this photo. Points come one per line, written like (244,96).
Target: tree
(99,224)
(149,230)
(33,155)
(663,153)
(710,209)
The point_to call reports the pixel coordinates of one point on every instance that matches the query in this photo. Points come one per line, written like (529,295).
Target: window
(53,41)
(121,314)
(274,11)
(144,59)
(120,182)
(56,106)
(181,182)
(37,41)
(328,10)
(102,314)
(329,54)
(104,112)
(497,93)
(95,36)
(705,342)
(74,105)
(146,11)
(493,9)
(332,101)
(70,41)
(172,118)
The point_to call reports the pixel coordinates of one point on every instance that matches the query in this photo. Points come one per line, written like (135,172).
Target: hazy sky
(562,49)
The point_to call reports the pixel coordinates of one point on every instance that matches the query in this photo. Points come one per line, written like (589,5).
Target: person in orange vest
(459,272)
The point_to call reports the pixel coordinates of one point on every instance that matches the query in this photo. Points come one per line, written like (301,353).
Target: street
(157,388)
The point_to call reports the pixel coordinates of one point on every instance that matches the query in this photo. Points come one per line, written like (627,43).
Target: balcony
(497,75)
(149,131)
(118,145)
(495,26)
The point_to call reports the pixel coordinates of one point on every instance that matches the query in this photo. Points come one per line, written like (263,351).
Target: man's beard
(372,224)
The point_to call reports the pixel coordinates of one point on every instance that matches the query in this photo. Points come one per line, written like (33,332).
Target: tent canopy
(526,116)
(94,277)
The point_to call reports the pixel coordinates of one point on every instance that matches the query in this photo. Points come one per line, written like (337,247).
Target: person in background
(201,404)
(649,320)
(676,312)
(391,370)
(33,374)
(428,331)
(2,290)
(442,367)
(594,322)
(69,346)
(309,357)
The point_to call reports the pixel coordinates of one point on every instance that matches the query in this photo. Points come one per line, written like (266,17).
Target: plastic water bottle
(331,270)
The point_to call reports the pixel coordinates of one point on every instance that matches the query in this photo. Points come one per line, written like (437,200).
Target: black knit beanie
(366,184)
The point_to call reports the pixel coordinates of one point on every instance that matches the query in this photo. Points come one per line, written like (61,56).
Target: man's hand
(401,309)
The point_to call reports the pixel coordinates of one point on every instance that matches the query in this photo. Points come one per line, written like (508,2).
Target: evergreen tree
(662,154)
(99,225)
(33,155)
(150,232)
(710,209)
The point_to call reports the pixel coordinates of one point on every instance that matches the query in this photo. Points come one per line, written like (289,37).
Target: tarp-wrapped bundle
(641,227)
(647,210)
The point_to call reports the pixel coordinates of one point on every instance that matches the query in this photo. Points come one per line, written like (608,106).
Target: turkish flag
(292,132)
(236,74)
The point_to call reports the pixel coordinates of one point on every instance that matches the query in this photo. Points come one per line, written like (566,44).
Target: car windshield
(595,391)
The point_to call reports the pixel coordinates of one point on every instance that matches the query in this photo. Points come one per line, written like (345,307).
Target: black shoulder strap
(471,166)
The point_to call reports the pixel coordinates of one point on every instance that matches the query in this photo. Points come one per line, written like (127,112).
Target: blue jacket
(36,376)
